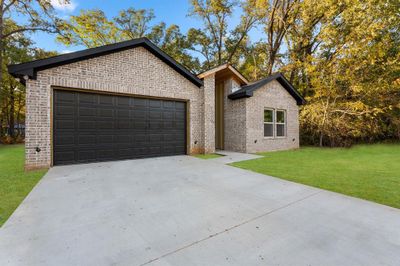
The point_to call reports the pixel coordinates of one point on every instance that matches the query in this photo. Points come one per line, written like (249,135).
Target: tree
(18,48)
(215,42)
(255,62)
(38,14)
(92,28)
(281,16)
(349,72)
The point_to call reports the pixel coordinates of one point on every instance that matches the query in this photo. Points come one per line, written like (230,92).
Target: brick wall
(134,71)
(272,95)
(234,120)
(209,114)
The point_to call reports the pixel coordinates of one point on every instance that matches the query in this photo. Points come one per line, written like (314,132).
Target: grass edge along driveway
(15,183)
(370,172)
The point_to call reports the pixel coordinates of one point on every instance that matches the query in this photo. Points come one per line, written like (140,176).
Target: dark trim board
(30,68)
(151,127)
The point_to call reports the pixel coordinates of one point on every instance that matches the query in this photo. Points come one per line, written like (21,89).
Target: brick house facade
(139,68)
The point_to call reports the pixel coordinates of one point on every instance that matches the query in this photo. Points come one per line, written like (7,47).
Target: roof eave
(240,95)
(30,68)
(247,91)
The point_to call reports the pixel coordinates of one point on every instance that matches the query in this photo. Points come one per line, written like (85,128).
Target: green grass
(370,172)
(208,156)
(15,183)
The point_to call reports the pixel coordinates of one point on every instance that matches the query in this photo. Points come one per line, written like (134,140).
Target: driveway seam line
(230,228)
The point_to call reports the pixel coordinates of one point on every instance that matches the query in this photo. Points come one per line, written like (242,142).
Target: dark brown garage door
(92,127)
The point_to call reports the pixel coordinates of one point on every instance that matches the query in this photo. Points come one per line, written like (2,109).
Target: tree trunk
(1,46)
(1,66)
(321,136)
(271,62)
(11,130)
(19,115)
(1,123)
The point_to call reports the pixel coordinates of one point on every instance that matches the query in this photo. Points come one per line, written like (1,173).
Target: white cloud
(62,6)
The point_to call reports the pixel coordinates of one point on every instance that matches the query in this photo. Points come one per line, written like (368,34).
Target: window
(280,123)
(274,123)
(268,123)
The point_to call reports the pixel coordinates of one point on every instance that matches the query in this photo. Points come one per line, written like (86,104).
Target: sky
(169,11)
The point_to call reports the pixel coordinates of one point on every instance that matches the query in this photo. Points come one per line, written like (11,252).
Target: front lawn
(369,172)
(15,183)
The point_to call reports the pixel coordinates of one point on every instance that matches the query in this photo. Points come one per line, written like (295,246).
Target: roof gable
(248,90)
(225,68)
(30,68)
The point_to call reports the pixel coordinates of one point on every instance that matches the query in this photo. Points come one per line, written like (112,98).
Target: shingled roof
(248,90)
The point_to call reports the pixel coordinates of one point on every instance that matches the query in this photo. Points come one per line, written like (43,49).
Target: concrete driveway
(187,211)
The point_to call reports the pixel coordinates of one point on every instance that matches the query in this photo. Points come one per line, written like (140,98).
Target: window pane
(280,116)
(268,130)
(268,116)
(280,130)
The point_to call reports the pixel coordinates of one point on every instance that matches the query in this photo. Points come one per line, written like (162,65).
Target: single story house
(131,100)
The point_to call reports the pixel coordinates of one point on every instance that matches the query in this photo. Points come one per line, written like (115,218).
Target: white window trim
(274,123)
(284,124)
(269,123)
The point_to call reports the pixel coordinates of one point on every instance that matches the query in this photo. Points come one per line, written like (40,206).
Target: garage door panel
(139,125)
(64,124)
(102,124)
(65,139)
(64,97)
(86,155)
(105,112)
(123,113)
(87,98)
(123,124)
(180,106)
(122,101)
(140,102)
(155,125)
(155,103)
(179,125)
(138,115)
(105,100)
(86,125)
(123,139)
(168,105)
(105,139)
(87,111)
(155,137)
(68,157)
(105,154)
(179,116)
(91,127)
(65,111)
(155,114)
(86,139)
(154,150)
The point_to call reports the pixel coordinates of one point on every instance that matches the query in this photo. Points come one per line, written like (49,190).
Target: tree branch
(29,29)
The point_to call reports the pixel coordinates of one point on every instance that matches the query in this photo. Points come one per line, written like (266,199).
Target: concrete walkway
(231,157)
(187,211)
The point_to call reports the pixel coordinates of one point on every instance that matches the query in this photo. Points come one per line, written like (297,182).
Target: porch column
(209,114)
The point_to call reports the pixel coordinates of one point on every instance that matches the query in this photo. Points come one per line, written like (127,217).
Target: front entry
(219,116)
